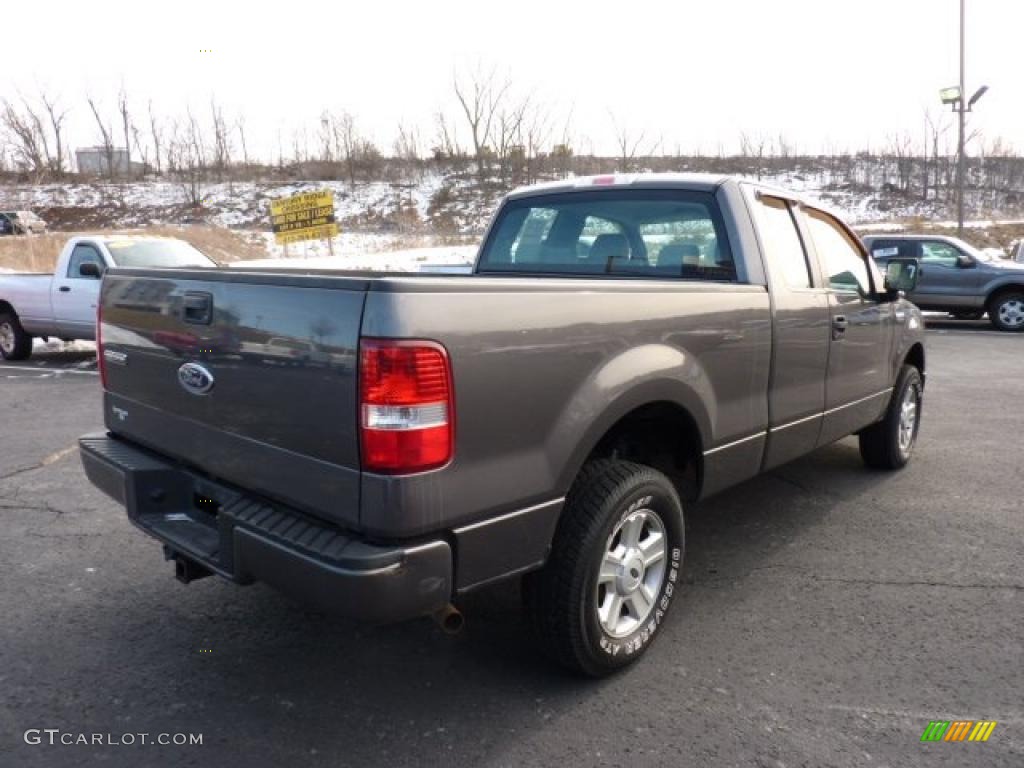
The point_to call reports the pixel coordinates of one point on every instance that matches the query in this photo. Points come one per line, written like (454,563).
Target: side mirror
(90,269)
(964,261)
(901,276)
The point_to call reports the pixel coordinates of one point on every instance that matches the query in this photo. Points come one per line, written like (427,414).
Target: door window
(939,253)
(782,244)
(83,254)
(840,256)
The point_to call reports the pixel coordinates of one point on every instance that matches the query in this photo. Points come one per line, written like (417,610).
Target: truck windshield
(159,253)
(628,232)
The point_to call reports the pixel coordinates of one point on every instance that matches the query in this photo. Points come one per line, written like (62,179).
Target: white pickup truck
(63,304)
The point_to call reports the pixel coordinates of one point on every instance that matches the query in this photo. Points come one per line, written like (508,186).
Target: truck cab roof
(703,182)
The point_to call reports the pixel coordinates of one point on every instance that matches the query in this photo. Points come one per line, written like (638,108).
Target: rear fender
(648,374)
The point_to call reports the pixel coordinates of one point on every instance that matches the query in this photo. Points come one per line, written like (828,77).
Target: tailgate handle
(198,308)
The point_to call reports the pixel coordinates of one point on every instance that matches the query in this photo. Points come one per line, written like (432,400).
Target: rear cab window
(157,253)
(883,250)
(659,233)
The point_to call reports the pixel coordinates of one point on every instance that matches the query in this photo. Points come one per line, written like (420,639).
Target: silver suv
(21,223)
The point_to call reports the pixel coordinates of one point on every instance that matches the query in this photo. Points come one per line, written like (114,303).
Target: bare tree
(407,143)
(221,141)
(122,108)
(326,138)
(937,128)
(406,148)
(901,147)
(156,136)
(481,98)
(240,125)
(783,147)
(28,143)
(346,142)
(446,144)
(627,142)
(508,136)
(141,147)
(754,147)
(536,132)
(108,137)
(187,157)
(57,117)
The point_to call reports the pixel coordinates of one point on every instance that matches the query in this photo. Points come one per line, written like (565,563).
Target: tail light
(406,406)
(100,362)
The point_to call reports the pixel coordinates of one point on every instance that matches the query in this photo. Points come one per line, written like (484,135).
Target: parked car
(63,304)
(21,223)
(957,278)
(624,347)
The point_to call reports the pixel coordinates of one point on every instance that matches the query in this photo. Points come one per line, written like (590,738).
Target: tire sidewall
(911,379)
(611,652)
(12,353)
(22,341)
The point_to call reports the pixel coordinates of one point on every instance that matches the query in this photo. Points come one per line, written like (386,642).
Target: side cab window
(82,254)
(940,254)
(840,254)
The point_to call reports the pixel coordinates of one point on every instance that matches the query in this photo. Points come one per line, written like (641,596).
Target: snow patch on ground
(56,345)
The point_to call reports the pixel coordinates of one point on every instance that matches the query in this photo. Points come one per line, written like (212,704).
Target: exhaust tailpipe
(450,620)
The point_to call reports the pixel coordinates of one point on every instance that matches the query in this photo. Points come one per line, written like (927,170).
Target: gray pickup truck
(625,346)
(957,278)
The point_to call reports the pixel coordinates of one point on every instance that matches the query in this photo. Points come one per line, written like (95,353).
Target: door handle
(65,289)
(839,326)
(198,308)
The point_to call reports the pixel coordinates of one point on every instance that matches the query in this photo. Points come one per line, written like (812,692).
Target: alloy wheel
(632,572)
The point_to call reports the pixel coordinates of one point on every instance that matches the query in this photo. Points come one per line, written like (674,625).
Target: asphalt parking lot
(829,614)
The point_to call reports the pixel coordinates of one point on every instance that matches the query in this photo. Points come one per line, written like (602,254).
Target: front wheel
(614,568)
(15,344)
(889,443)
(1007,311)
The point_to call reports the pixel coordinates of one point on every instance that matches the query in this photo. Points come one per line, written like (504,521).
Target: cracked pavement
(829,613)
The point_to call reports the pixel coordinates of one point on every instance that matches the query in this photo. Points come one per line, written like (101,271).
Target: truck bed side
(30,296)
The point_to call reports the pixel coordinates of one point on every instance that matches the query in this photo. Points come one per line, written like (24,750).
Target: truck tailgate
(248,377)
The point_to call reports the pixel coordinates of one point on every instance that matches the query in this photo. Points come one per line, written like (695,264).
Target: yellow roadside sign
(306,216)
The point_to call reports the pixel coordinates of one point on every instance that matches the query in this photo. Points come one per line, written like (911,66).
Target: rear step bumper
(246,539)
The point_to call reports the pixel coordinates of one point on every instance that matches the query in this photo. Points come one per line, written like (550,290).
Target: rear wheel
(614,568)
(1006,311)
(889,443)
(15,344)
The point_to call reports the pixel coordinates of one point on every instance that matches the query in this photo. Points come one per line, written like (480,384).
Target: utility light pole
(955,97)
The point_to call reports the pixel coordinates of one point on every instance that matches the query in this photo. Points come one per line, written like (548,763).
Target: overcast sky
(694,74)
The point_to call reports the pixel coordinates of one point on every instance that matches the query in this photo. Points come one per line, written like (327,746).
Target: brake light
(406,406)
(100,362)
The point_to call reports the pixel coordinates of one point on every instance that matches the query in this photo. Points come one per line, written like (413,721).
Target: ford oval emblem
(195,379)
